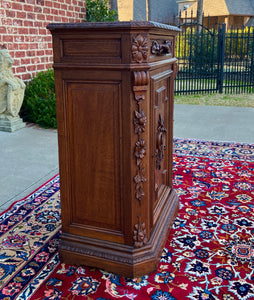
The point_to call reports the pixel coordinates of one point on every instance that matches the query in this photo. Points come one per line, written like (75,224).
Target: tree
(199,14)
(99,11)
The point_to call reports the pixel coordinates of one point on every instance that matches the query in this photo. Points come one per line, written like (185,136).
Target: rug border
(212,141)
(22,199)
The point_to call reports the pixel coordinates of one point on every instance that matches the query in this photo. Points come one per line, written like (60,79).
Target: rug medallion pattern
(209,253)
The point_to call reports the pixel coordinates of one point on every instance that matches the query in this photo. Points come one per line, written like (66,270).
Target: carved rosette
(139,48)
(160,142)
(139,234)
(141,79)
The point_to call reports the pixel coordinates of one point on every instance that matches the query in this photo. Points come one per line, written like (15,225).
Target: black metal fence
(214,60)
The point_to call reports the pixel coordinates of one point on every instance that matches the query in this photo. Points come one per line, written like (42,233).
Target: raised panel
(93,117)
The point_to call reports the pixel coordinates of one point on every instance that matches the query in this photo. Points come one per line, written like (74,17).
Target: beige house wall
(125,10)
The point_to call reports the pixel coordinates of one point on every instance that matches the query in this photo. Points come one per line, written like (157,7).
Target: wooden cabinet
(114,91)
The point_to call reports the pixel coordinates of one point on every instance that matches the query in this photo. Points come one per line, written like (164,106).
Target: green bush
(39,105)
(98,11)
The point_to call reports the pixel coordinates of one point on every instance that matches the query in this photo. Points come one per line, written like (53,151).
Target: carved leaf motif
(139,235)
(140,149)
(139,48)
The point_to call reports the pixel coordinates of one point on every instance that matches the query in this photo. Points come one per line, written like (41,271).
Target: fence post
(221,55)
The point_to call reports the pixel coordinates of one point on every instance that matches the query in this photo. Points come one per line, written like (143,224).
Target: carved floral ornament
(162,48)
(139,48)
(139,234)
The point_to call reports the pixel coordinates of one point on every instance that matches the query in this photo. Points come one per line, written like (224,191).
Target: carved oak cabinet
(114,92)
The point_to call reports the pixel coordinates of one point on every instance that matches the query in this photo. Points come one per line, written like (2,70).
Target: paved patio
(29,156)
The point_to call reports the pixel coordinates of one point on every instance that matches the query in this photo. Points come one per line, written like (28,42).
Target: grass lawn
(241,100)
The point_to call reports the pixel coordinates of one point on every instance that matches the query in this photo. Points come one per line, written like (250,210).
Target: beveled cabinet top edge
(112,25)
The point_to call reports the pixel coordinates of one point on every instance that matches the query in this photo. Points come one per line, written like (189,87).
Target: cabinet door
(161,140)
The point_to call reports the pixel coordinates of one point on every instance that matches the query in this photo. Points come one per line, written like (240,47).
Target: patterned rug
(209,253)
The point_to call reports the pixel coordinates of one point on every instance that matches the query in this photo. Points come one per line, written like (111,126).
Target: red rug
(209,253)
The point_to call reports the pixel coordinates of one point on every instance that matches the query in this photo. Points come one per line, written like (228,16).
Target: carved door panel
(160,139)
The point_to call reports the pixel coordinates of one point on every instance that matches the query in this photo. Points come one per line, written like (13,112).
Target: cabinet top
(145,25)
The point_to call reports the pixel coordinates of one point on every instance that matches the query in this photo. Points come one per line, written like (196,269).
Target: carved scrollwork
(160,142)
(139,48)
(141,78)
(139,234)
(161,48)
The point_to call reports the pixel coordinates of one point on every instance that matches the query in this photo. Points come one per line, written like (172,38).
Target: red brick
(19,38)
(10,13)
(30,53)
(20,54)
(49,52)
(63,7)
(31,16)
(49,18)
(6,4)
(40,67)
(23,46)
(42,31)
(48,3)
(21,14)
(25,61)
(6,22)
(23,30)
(40,2)
(57,19)
(17,22)
(37,9)
(40,53)
(7,38)
(41,17)
(33,46)
(46,10)
(35,60)
(28,8)
(37,24)
(54,11)
(65,20)
(26,77)
(16,5)
(56,4)
(28,23)
(21,69)
(33,30)
(2,29)
(48,66)
(31,68)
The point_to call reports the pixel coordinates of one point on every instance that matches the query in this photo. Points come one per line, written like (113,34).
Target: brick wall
(23,30)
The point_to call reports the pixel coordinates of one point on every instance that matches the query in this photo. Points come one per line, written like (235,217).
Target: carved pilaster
(141,80)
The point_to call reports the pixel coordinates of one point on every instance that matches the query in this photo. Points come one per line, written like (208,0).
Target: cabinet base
(121,259)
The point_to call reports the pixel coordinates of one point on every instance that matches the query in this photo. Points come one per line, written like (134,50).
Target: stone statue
(11,94)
